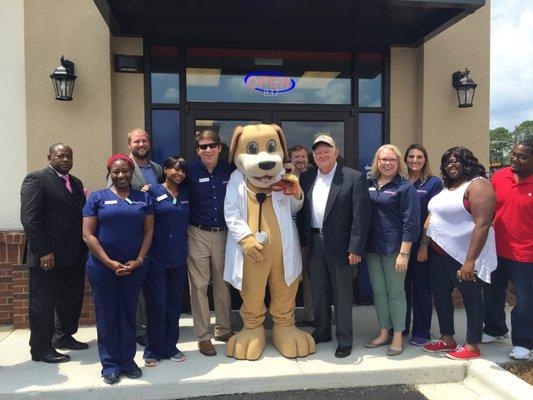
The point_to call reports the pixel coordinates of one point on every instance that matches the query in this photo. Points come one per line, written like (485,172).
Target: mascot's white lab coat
(235,213)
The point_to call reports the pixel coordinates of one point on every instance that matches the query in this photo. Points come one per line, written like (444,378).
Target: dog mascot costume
(262,246)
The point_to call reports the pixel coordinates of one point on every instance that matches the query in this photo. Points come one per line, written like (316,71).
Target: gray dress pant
(331,284)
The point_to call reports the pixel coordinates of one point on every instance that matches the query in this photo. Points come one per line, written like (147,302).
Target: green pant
(389,291)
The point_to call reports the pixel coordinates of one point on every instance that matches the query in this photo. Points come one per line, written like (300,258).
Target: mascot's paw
(248,344)
(289,185)
(292,342)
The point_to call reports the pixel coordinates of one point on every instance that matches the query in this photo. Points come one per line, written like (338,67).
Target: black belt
(316,230)
(210,228)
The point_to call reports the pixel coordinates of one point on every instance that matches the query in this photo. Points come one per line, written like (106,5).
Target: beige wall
(13,106)
(127,92)
(77,30)
(423,101)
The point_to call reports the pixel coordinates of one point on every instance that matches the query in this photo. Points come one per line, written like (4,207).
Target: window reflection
(223,75)
(164,74)
(165,134)
(370,68)
(224,128)
(370,138)
(305,132)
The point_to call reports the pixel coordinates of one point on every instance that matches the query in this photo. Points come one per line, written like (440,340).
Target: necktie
(66,179)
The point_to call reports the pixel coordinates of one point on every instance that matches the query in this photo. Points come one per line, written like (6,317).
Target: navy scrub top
(171,220)
(120,223)
(395,216)
(426,190)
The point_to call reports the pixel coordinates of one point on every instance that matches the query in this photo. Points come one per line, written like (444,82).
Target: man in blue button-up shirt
(207,179)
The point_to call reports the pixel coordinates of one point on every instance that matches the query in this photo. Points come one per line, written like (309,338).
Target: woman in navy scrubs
(395,226)
(417,288)
(118,224)
(166,278)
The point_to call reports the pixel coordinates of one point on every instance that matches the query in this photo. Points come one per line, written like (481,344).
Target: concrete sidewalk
(21,378)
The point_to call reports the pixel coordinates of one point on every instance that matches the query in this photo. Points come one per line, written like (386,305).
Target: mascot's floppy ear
(282,140)
(237,132)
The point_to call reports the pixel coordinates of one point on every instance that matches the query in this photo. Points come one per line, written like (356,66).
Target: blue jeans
(521,274)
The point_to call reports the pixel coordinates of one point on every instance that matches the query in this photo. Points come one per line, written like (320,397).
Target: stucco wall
(405,89)
(466,44)
(128,93)
(423,101)
(13,106)
(77,30)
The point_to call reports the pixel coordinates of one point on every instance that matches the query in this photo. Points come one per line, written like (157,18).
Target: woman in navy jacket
(118,224)
(395,226)
(166,278)
(417,287)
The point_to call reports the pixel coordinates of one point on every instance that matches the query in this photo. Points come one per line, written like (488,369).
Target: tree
(523,131)
(501,143)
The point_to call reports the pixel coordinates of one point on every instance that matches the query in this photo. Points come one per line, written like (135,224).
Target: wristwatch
(140,259)
(404,254)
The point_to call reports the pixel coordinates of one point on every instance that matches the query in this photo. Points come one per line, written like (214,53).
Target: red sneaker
(462,353)
(438,346)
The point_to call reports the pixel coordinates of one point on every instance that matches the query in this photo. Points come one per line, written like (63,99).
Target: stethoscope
(260,236)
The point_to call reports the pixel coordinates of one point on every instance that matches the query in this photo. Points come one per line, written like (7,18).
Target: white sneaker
(489,339)
(519,353)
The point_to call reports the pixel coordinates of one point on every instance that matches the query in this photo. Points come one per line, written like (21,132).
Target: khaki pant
(206,263)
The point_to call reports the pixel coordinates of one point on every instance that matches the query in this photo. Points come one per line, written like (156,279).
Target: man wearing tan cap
(333,225)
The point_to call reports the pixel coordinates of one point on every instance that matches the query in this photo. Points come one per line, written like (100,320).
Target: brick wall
(14,284)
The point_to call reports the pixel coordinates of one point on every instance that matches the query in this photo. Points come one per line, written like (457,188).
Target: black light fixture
(63,80)
(465,87)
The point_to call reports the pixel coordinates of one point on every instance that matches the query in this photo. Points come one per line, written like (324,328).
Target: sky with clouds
(511,76)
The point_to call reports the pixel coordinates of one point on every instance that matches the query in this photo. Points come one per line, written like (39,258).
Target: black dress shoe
(320,340)
(112,378)
(69,343)
(52,358)
(136,373)
(343,351)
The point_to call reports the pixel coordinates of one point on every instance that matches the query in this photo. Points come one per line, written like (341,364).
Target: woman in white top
(463,250)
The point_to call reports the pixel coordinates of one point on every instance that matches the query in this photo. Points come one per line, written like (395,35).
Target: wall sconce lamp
(63,80)
(465,87)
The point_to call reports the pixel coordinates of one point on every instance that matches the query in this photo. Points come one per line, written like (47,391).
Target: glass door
(303,127)
(223,122)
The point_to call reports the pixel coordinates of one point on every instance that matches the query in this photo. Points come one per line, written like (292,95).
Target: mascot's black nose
(266,165)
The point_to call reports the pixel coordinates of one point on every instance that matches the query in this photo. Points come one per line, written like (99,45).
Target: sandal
(150,362)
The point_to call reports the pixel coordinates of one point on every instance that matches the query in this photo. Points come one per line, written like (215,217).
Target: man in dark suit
(51,205)
(333,225)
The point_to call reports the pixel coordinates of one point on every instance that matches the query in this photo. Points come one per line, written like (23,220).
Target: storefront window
(370,139)
(165,134)
(164,74)
(370,71)
(262,76)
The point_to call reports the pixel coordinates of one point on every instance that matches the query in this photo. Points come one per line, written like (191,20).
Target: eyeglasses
(210,145)
(452,162)
(388,160)
(521,157)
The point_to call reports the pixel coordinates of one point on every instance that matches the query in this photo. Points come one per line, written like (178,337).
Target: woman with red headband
(118,223)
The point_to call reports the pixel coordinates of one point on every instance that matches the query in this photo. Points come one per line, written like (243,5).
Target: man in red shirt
(513,224)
